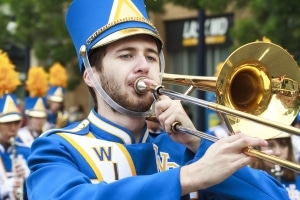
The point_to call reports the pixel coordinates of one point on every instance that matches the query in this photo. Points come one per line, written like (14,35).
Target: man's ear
(87,79)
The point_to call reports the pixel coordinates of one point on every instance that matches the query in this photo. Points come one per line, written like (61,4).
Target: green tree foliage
(41,26)
(275,19)
(216,6)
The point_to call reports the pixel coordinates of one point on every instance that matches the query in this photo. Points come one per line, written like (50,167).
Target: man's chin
(140,107)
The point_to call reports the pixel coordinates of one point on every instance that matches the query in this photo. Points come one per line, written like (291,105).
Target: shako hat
(37,85)
(9,81)
(95,23)
(57,82)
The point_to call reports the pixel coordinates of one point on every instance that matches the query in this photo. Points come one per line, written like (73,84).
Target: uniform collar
(111,131)
(2,149)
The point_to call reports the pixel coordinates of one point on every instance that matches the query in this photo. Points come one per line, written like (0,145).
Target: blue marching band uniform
(293,188)
(6,167)
(101,152)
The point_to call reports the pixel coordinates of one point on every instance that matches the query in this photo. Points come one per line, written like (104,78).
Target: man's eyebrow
(151,50)
(125,49)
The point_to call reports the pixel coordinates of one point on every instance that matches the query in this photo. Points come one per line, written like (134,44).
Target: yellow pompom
(265,39)
(58,75)
(9,78)
(37,82)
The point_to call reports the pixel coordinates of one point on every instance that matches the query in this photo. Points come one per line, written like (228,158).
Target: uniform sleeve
(55,175)
(247,184)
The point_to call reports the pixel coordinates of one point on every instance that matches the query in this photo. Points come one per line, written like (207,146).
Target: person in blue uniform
(296,139)
(13,166)
(282,147)
(57,115)
(111,154)
(35,106)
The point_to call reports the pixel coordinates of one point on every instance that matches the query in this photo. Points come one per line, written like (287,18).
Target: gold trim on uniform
(106,166)
(84,154)
(119,21)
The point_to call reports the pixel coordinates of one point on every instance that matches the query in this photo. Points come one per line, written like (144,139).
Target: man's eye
(151,58)
(271,146)
(125,56)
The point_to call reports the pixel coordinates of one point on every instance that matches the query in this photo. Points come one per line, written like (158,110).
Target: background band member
(57,115)
(35,106)
(13,166)
(282,147)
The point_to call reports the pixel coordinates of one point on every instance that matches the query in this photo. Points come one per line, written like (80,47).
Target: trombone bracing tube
(224,109)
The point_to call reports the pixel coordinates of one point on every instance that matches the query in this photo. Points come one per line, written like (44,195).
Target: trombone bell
(260,79)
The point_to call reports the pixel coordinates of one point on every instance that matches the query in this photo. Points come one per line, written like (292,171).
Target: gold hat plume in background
(58,75)
(9,81)
(37,85)
(265,39)
(37,82)
(9,78)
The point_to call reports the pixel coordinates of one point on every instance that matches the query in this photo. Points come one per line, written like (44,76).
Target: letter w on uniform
(105,154)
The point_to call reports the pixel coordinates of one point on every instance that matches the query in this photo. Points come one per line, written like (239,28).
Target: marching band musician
(296,139)
(35,106)
(111,154)
(282,147)
(13,166)
(57,115)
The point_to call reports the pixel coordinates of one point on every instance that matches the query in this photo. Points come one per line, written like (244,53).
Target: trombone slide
(247,150)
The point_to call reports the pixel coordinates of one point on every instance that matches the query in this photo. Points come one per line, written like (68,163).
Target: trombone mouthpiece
(140,86)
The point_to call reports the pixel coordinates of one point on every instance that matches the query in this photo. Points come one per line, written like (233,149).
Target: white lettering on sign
(190,29)
(212,26)
(216,26)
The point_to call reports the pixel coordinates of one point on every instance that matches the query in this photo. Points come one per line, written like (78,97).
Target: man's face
(54,107)
(124,62)
(8,130)
(36,123)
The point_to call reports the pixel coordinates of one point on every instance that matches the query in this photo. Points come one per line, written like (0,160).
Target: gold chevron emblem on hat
(122,9)
(39,105)
(9,106)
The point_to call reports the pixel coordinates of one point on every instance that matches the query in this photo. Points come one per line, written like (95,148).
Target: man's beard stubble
(137,103)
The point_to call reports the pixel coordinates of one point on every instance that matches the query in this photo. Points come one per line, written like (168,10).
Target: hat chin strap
(104,95)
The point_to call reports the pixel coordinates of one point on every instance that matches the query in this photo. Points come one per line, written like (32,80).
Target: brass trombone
(257,84)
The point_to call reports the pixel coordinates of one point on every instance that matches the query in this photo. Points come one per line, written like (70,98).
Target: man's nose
(142,64)
(14,125)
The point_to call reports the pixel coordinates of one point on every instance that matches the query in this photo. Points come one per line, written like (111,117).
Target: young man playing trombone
(111,154)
